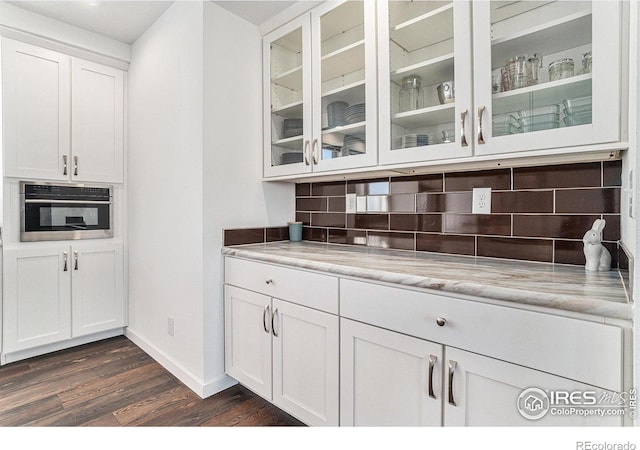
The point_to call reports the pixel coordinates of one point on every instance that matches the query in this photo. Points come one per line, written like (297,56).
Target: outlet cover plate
(481,201)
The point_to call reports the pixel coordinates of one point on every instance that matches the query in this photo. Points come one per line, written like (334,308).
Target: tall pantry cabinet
(63,122)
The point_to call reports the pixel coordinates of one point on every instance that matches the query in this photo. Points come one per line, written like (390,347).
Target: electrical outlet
(351,204)
(170,325)
(481,201)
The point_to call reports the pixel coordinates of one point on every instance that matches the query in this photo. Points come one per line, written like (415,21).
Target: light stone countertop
(562,287)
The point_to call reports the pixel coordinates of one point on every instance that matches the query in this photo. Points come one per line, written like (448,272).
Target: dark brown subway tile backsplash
(538,213)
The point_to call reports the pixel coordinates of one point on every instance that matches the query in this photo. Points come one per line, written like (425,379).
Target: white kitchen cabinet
(36,111)
(387,378)
(97,288)
(57,292)
(325,57)
(285,351)
(554,30)
(37,297)
(482,391)
(63,117)
(97,105)
(429,42)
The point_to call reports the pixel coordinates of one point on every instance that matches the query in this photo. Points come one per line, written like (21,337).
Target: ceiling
(125,21)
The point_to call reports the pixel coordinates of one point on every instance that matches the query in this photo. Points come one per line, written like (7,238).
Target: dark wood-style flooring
(115,383)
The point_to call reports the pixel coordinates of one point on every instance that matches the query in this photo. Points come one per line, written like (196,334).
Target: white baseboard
(202,389)
(7,358)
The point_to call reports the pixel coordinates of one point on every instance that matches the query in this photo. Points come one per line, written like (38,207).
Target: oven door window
(42,216)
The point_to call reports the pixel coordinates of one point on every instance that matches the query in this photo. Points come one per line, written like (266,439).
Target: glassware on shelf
(506,123)
(586,63)
(561,68)
(446,92)
(541,118)
(504,79)
(448,136)
(533,66)
(411,93)
(577,111)
(517,69)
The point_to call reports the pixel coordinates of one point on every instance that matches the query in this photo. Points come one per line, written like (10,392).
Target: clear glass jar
(517,68)
(586,63)
(561,68)
(411,93)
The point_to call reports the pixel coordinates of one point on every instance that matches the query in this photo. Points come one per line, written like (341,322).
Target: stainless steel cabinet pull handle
(273,318)
(75,165)
(264,318)
(463,135)
(480,135)
(305,151)
(452,369)
(64,164)
(313,151)
(441,321)
(432,363)
(75,260)
(268,281)
(65,256)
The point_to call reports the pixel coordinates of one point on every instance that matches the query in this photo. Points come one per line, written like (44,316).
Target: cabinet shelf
(344,129)
(425,30)
(291,79)
(291,111)
(431,71)
(345,60)
(433,115)
(351,93)
(567,32)
(294,142)
(543,94)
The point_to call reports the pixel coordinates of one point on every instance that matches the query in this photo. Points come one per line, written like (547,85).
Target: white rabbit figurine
(597,256)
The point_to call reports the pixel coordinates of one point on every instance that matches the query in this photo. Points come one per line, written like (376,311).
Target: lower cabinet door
(306,363)
(97,287)
(482,391)
(248,339)
(37,297)
(388,379)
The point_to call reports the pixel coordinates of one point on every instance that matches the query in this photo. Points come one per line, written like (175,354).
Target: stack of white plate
(354,144)
(355,113)
(414,140)
(291,127)
(291,158)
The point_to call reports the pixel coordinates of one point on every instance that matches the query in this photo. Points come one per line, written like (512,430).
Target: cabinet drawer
(585,351)
(297,286)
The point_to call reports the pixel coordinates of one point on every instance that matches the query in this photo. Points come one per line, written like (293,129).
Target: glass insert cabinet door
(425,80)
(547,74)
(287,95)
(344,85)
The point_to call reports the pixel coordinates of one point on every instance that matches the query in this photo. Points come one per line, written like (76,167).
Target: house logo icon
(533,403)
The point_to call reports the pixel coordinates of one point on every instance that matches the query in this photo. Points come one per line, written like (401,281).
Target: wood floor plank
(114,383)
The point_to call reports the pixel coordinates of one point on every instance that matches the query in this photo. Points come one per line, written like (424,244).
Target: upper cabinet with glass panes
(400,82)
(547,74)
(324,117)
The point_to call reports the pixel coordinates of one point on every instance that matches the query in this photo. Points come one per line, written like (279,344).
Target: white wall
(195,165)
(234,196)
(165,191)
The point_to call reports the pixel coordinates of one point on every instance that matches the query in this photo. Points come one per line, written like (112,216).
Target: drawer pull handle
(463,137)
(264,318)
(64,164)
(268,281)
(65,257)
(273,318)
(480,132)
(432,364)
(441,321)
(452,369)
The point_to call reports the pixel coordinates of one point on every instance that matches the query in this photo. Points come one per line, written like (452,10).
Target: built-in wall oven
(53,212)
